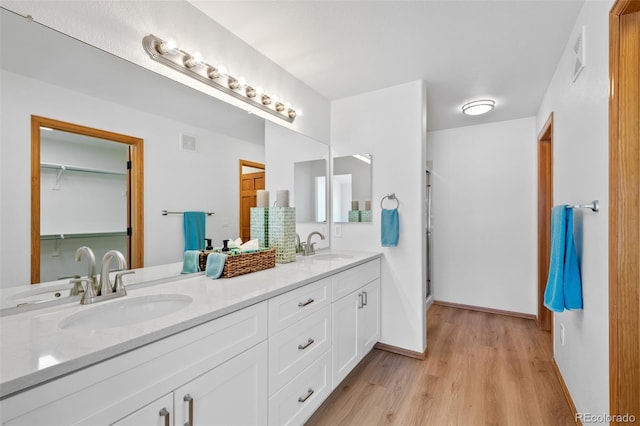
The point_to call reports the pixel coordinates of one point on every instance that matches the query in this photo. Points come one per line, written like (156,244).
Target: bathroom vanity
(262,348)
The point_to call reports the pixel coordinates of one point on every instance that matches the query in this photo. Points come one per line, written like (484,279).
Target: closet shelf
(85,235)
(56,166)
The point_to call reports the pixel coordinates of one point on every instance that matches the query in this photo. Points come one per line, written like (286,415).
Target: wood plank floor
(481,369)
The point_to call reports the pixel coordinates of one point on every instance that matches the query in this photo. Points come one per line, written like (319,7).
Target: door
(345,313)
(624,214)
(369,332)
(234,393)
(158,413)
(545,204)
(251,180)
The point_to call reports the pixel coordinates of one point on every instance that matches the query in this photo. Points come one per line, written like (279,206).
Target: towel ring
(391,197)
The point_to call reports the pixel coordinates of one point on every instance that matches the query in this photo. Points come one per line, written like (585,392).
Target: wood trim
(545,204)
(565,391)
(624,207)
(487,310)
(248,164)
(401,351)
(136,185)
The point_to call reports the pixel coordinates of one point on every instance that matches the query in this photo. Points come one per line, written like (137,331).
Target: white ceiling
(464,50)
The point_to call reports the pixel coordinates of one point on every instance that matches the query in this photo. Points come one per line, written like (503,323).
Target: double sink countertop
(35,349)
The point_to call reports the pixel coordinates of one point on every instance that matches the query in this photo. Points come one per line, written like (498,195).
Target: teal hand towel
(215,265)
(194,230)
(564,286)
(191,262)
(390,231)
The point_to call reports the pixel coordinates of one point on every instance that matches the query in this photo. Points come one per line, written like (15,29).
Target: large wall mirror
(352,188)
(87,190)
(48,74)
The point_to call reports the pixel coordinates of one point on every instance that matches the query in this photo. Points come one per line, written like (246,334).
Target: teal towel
(215,265)
(191,262)
(390,232)
(564,286)
(194,230)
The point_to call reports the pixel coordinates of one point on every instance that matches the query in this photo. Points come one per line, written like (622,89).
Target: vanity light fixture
(478,107)
(167,53)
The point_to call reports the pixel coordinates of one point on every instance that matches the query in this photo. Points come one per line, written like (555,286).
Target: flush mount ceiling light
(167,53)
(478,107)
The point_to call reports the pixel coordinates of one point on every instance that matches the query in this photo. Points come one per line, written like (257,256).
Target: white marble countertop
(35,349)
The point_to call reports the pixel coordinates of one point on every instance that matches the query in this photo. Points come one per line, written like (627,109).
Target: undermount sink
(331,256)
(125,311)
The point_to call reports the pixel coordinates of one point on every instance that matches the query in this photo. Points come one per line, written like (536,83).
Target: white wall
(119,26)
(173,179)
(484,215)
(581,174)
(284,147)
(390,124)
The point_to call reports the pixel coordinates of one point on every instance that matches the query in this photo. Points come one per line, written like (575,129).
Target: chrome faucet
(95,291)
(309,248)
(106,287)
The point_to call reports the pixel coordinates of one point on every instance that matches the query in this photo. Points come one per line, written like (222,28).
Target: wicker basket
(245,263)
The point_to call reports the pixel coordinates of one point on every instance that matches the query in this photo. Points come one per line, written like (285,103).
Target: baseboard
(565,390)
(487,310)
(401,351)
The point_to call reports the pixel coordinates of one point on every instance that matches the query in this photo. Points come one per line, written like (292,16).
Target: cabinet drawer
(354,278)
(289,308)
(296,347)
(297,401)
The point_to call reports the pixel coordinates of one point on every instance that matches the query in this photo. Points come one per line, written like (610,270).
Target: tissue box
(243,263)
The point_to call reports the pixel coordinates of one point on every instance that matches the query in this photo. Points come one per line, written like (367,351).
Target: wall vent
(188,142)
(578,50)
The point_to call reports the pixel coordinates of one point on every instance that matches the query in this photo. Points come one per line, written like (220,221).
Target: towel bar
(391,196)
(164,213)
(594,206)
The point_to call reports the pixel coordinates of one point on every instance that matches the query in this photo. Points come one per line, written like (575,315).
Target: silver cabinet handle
(188,398)
(307,302)
(360,301)
(366,298)
(164,413)
(306,345)
(307,396)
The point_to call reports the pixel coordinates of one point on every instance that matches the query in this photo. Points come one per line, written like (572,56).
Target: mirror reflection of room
(352,188)
(80,174)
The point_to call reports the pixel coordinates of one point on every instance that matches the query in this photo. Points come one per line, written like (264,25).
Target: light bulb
(259,90)
(242,81)
(222,69)
(167,46)
(287,105)
(198,58)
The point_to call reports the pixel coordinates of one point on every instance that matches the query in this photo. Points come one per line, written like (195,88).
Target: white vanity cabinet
(217,362)
(355,316)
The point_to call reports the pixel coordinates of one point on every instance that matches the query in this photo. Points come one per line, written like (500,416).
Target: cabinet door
(158,413)
(369,324)
(345,313)
(235,393)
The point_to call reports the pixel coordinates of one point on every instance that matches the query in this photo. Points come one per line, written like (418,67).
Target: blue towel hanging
(564,286)
(390,229)
(194,230)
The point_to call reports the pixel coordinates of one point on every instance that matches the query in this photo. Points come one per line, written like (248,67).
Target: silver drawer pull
(306,345)
(308,302)
(307,396)
(164,413)
(188,398)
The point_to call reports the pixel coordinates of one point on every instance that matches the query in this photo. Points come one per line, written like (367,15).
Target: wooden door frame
(624,220)
(135,213)
(545,203)
(246,163)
